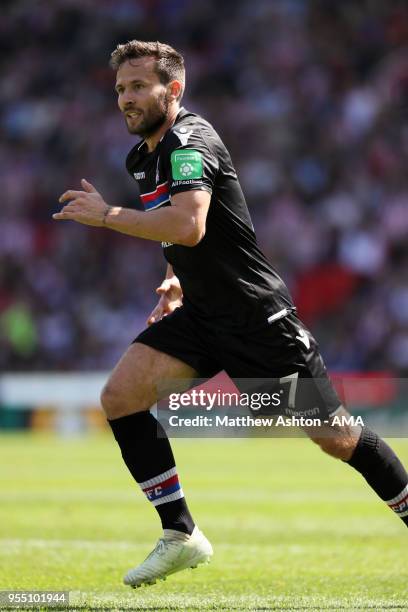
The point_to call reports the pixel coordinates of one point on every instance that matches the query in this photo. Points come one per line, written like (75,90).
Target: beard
(152,118)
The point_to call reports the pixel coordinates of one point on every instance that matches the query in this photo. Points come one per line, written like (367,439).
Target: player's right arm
(171,297)
(181,223)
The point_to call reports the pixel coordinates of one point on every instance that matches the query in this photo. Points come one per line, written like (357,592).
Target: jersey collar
(182,113)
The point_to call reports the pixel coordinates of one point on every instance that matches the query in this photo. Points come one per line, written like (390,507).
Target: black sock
(147,453)
(383,471)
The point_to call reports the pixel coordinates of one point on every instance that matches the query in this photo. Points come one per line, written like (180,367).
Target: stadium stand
(311,98)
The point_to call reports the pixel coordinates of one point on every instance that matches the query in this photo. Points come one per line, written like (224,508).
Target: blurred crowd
(311,98)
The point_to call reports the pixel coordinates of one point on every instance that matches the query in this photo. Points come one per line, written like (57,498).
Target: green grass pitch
(292,529)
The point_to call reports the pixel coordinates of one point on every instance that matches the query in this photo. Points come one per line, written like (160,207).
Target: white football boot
(173,552)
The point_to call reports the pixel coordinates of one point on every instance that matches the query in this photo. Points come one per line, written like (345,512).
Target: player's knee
(337,446)
(110,400)
(116,403)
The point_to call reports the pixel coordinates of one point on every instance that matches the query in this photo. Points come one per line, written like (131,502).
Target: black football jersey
(226,279)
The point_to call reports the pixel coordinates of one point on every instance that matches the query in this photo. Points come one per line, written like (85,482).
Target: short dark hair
(169,62)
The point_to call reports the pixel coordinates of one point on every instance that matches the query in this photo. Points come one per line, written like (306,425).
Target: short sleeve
(189,164)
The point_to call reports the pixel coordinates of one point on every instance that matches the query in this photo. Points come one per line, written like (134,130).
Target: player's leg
(358,446)
(366,452)
(130,391)
(126,399)
(134,383)
(169,350)
(286,348)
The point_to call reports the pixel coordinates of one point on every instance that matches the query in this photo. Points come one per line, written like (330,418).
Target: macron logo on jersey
(183,134)
(139,175)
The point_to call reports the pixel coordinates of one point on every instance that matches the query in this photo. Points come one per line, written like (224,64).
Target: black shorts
(280,350)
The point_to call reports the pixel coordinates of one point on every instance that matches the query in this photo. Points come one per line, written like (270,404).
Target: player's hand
(171,297)
(86,206)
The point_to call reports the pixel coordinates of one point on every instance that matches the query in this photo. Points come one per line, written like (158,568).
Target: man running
(222,306)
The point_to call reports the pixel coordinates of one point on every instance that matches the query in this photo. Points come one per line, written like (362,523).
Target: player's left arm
(181,223)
